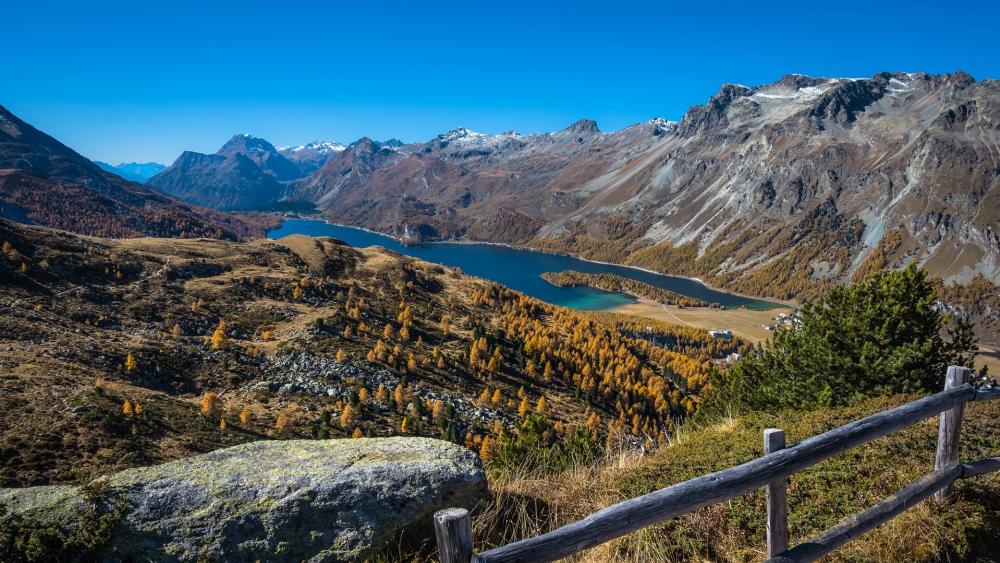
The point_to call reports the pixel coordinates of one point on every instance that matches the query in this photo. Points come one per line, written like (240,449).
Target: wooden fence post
(777,503)
(453,529)
(950,426)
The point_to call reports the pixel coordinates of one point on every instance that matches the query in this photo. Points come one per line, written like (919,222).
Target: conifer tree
(486,449)
(130,363)
(219,336)
(210,404)
(347,417)
(524,407)
(879,335)
(284,422)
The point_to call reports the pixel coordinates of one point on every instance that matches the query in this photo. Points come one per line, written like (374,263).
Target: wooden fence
(453,526)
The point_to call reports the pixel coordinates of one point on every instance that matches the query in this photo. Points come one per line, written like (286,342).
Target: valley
(522,268)
(781,190)
(223,342)
(578,315)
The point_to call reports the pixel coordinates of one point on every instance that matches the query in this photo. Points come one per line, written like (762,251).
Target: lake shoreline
(744,323)
(776,304)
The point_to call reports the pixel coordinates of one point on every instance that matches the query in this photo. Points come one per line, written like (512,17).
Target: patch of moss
(26,539)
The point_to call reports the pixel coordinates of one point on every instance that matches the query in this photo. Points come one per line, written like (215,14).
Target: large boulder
(315,500)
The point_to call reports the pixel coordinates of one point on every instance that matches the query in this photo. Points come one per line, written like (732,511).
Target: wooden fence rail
(454,528)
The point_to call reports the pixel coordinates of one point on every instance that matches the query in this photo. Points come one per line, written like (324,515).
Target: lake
(520,269)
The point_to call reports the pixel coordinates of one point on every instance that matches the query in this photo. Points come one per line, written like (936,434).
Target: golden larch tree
(219,336)
(524,407)
(347,417)
(210,404)
(486,449)
(130,363)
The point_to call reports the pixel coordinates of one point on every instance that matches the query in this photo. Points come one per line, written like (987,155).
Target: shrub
(877,336)
(536,447)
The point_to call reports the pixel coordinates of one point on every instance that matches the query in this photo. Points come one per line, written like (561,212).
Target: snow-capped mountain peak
(320,147)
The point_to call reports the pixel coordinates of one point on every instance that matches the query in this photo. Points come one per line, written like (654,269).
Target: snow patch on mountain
(465,137)
(801,95)
(321,147)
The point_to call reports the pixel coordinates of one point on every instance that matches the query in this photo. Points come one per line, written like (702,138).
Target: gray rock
(315,500)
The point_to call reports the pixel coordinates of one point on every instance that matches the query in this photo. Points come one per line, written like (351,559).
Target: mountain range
(135,171)
(246,173)
(780,189)
(777,190)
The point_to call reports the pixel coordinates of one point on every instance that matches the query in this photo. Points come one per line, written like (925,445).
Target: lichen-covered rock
(315,500)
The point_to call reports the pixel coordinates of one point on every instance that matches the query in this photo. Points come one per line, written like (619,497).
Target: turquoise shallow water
(520,269)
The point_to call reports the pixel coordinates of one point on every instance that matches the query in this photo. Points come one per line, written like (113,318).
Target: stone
(295,500)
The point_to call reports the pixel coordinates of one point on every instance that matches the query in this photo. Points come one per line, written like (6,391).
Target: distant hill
(134,171)
(45,182)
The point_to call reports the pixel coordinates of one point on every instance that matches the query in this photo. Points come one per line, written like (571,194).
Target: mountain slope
(440,188)
(777,190)
(133,171)
(43,181)
(305,325)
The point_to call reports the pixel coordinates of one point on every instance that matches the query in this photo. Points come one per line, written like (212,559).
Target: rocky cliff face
(329,500)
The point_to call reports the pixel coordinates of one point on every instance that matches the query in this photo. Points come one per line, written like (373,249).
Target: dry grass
(525,505)
(744,323)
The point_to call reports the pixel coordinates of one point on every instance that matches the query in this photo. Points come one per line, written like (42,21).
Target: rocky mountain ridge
(778,190)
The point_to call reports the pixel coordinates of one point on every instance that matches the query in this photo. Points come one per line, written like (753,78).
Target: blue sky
(144,80)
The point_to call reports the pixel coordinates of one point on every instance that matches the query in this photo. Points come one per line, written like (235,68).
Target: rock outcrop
(329,500)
